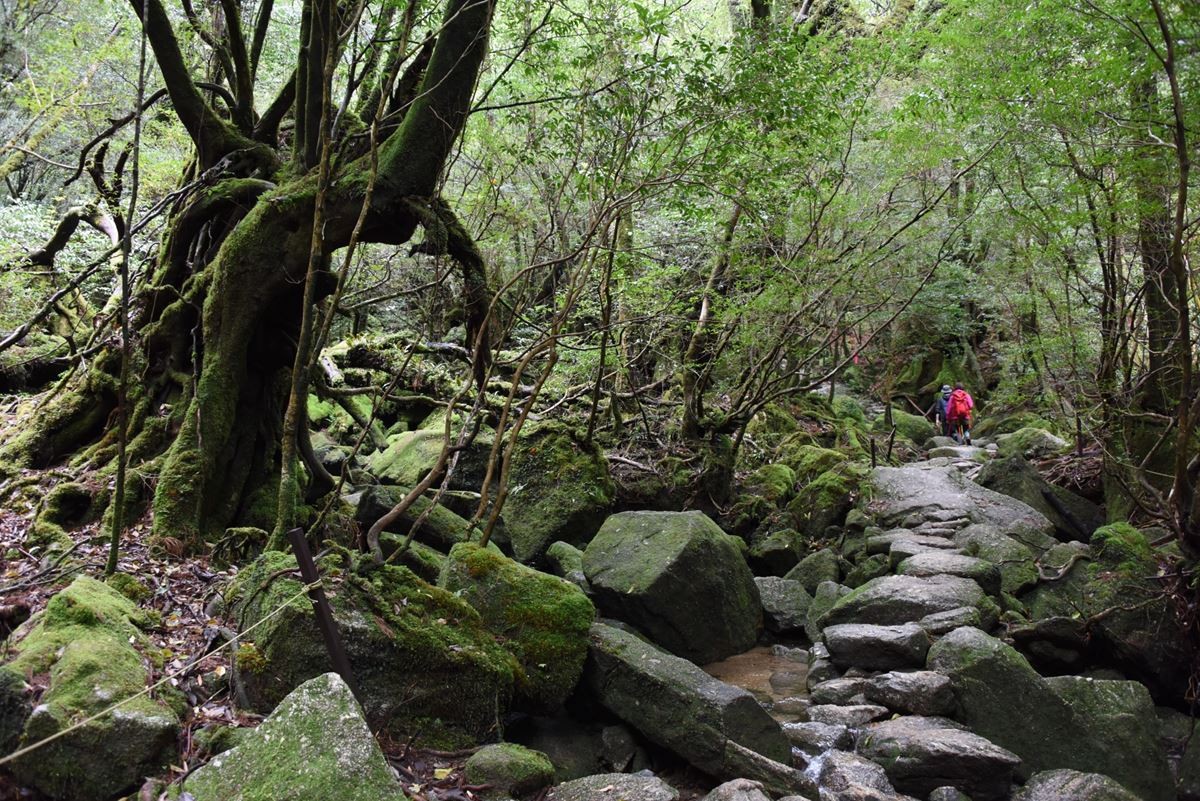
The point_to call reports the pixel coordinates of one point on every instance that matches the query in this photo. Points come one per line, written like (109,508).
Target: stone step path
(904,670)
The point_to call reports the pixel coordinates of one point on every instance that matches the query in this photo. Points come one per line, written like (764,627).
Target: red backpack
(959,407)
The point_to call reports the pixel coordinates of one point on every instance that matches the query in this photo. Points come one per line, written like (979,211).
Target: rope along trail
(168,677)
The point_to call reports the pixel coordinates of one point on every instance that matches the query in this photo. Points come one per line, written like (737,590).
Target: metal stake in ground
(329,630)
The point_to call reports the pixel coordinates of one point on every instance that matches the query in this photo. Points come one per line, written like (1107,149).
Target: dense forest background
(657,220)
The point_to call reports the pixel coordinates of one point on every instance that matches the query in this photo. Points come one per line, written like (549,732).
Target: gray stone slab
(921,754)
(873,647)
(918,692)
(986,574)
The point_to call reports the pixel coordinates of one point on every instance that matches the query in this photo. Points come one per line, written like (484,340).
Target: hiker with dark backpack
(958,413)
(939,410)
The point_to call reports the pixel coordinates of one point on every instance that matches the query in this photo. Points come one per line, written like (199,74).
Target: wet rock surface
(920,754)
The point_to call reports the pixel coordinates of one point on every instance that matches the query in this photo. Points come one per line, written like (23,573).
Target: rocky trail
(913,691)
(912,687)
(952,641)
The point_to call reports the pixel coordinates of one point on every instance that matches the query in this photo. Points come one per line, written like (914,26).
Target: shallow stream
(774,674)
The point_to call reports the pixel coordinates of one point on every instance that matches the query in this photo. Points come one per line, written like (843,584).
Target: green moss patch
(541,620)
(85,641)
(773,482)
(424,661)
(510,770)
(1124,548)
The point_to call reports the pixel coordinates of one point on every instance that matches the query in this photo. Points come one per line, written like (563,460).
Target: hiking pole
(325,622)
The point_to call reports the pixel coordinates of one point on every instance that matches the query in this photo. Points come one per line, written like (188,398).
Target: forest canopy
(657,221)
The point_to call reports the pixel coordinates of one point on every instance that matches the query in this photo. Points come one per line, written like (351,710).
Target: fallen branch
(612,457)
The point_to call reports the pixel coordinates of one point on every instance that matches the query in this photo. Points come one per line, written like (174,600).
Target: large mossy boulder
(677,577)
(827,499)
(1085,725)
(408,458)
(1131,623)
(1074,518)
(912,427)
(89,643)
(560,489)
(678,706)
(423,659)
(542,620)
(315,744)
(1031,443)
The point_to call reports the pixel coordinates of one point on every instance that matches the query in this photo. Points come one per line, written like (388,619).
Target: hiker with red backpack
(958,414)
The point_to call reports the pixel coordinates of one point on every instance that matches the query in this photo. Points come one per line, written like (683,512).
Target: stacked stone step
(895,675)
(869,666)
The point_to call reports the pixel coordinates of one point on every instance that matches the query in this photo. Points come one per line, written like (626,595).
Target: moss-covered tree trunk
(218,320)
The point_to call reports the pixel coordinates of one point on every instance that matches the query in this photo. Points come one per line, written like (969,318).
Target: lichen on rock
(87,640)
(315,745)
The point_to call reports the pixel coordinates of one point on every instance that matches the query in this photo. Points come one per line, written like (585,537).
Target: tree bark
(218,321)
